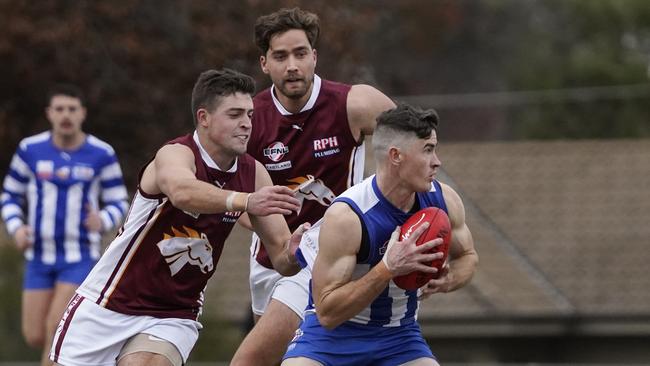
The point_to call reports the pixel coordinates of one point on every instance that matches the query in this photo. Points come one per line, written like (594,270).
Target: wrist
(383,271)
(237,201)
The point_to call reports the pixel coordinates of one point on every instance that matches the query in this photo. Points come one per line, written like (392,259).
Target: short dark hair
(407,118)
(283,20)
(214,84)
(67,90)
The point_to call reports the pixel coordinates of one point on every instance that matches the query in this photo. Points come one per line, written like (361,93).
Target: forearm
(342,303)
(462,270)
(285,262)
(112,214)
(200,197)
(12,214)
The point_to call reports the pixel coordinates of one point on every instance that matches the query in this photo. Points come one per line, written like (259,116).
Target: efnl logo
(276,151)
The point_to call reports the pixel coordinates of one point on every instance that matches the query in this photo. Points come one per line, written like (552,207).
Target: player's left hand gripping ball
(439,227)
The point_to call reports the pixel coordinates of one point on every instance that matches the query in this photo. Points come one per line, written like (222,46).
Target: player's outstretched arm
(173,173)
(273,230)
(463,256)
(338,297)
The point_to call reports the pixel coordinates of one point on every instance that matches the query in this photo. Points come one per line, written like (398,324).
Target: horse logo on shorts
(186,247)
(312,189)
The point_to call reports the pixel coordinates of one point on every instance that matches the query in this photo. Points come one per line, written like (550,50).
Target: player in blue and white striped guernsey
(63,189)
(357,315)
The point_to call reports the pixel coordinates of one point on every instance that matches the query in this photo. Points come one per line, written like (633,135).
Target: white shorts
(267,284)
(91,335)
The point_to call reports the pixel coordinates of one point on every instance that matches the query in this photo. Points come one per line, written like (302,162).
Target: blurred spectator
(51,207)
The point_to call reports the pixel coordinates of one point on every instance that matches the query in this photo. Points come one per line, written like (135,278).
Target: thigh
(424,361)
(144,359)
(146,349)
(269,337)
(262,282)
(63,293)
(300,361)
(294,291)
(35,307)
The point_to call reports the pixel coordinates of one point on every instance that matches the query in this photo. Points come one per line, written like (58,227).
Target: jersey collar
(315,91)
(207,159)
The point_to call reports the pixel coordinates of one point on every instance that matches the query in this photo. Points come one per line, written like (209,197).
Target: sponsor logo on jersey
(326,146)
(279,166)
(231,217)
(310,188)
(276,151)
(81,172)
(44,169)
(63,173)
(186,247)
(219,184)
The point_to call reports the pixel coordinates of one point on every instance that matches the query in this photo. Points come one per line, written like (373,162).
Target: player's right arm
(337,296)
(14,199)
(172,172)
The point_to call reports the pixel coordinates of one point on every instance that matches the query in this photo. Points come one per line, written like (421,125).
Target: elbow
(328,321)
(180,198)
(328,317)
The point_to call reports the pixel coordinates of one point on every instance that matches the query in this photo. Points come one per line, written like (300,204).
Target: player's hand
(404,257)
(93,221)
(294,241)
(440,285)
(24,238)
(272,200)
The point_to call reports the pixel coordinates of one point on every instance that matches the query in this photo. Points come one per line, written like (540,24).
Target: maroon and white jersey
(313,150)
(161,260)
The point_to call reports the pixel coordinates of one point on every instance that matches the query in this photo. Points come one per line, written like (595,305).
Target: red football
(439,227)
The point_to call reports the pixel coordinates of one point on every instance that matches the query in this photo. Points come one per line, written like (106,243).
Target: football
(439,227)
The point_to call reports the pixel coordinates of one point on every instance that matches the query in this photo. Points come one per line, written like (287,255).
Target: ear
(202,117)
(315,57)
(263,65)
(395,155)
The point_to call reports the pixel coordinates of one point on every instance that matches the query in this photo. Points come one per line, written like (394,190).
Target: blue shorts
(44,276)
(356,344)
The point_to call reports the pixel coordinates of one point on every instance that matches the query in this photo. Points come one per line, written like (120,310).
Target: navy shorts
(357,344)
(44,276)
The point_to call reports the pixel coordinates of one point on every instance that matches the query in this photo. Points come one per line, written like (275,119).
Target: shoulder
(364,104)
(454,203)
(340,221)
(262,98)
(363,97)
(101,145)
(31,141)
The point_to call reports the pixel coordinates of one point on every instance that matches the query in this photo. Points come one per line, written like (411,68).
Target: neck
(220,156)
(68,142)
(293,105)
(400,196)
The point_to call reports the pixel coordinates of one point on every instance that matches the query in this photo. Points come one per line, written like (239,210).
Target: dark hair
(214,84)
(67,90)
(406,118)
(283,20)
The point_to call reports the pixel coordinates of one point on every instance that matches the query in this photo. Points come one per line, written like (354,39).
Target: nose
(292,65)
(435,162)
(246,122)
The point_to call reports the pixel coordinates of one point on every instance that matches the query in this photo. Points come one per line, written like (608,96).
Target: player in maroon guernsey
(141,302)
(308,132)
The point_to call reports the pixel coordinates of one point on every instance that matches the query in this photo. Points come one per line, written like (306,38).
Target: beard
(296,92)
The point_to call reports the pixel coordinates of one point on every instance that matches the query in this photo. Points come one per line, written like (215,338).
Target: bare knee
(35,338)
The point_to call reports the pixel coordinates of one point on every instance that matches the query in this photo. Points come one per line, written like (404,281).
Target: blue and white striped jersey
(49,189)
(394,306)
